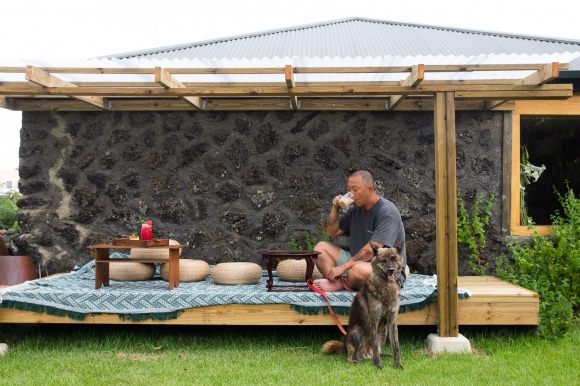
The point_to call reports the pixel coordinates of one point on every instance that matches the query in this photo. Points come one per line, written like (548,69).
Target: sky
(78,29)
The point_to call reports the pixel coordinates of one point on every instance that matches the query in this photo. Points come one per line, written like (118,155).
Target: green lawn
(185,355)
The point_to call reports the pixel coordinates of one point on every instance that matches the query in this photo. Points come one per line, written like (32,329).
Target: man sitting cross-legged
(371,218)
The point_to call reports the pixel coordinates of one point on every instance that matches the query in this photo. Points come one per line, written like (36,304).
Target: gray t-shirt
(382,224)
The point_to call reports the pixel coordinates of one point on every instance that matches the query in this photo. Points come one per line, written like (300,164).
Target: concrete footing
(437,344)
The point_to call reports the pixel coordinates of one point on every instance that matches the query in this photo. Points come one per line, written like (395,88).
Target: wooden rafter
(289,76)
(43,78)
(164,78)
(415,78)
(492,104)
(5,103)
(541,76)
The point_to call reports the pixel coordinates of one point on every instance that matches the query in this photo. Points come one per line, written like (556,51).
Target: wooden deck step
(497,302)
(492,301)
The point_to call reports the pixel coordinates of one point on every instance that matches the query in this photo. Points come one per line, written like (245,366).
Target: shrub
(8,210)
(471,229)
(550,266)
(306,241)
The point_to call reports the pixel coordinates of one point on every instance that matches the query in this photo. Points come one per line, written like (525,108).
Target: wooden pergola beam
(545,74)
(165,79)
(5,103)
(238,104)
(492,104)
(520,95)
(208,84)
(43,78)
(415,78)
(290,83)
(461,91)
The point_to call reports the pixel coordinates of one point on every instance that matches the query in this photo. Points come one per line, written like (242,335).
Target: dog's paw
(356,361)
(398,365)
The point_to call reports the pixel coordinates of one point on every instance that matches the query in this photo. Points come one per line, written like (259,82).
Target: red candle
(147,231)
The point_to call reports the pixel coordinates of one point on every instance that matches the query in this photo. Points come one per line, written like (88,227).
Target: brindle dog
(373,313)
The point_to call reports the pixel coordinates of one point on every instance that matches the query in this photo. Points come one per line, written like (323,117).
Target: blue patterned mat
(74,295)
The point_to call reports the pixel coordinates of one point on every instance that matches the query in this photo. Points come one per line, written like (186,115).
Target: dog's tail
(333,347)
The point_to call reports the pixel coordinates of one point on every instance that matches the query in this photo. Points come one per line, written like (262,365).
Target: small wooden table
(274,254)
(102,261)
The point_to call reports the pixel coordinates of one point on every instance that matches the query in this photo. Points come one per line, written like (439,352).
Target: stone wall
(232,183)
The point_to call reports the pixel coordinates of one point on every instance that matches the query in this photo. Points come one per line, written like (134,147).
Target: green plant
(9,210)
(471,229)
(550,266)
(306,241)
(528,173)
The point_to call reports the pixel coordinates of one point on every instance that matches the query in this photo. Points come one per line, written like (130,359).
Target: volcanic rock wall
(232,183)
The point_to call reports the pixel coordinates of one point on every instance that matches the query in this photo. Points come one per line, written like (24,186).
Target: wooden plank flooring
(496,302)
(492,302)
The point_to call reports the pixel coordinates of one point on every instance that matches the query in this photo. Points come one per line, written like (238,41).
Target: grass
(225,355)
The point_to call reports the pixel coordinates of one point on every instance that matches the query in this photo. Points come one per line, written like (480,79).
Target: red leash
(321,292)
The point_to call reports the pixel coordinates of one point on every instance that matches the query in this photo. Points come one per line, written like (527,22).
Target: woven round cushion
(122,271)
(236,273)
(295,270)
(189,270)
(153,253)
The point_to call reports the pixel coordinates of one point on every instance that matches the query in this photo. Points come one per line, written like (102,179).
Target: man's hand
(332,221)
(336,272)
(335,201)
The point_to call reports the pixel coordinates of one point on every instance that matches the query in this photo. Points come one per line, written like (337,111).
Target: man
(371,218)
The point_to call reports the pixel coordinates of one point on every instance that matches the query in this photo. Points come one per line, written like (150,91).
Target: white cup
(345,201)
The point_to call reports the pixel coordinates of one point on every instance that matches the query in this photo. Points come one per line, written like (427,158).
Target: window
(555,144)
(550,131)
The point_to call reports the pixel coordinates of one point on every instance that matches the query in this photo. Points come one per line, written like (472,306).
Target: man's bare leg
(327,259)
(358,274)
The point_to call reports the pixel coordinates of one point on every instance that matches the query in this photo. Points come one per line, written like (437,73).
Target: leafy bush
(8,210)
(306,241)
(471,229)
(550,266)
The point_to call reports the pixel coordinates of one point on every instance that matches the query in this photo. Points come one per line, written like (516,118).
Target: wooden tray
(141,243)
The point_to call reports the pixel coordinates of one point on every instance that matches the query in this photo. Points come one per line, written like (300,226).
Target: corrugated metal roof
(367,64)
(360,37)
(140,62)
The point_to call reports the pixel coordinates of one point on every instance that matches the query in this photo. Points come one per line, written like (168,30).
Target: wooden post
(515,220)
(446,214)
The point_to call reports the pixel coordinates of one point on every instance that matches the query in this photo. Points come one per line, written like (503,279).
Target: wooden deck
(492,302)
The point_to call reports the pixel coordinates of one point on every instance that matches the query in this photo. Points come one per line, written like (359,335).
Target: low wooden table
(274,254)
(102,261)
